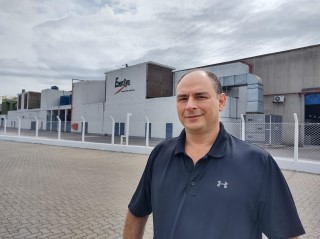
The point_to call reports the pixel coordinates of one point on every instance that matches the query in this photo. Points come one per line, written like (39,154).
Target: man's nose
(191,104)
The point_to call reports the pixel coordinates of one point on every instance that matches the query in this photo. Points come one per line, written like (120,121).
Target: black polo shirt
(236,191)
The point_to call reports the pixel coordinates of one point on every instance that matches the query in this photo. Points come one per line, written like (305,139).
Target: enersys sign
(121,85)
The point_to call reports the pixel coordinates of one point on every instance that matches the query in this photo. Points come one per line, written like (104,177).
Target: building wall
(88,92)
(93,114)
(87,101)
(161,111)
(131,98)
(27,117)
(126,84)
(287,73)
(51,97)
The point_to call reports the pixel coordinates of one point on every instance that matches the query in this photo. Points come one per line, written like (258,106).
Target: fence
(282,140)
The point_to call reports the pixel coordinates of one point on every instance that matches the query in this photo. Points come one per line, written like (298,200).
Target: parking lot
(58,192)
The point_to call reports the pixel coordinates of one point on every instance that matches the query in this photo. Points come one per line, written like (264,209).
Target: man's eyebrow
(182,95)
(201,93)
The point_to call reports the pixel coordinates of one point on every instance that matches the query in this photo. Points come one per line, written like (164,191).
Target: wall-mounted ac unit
(278,99)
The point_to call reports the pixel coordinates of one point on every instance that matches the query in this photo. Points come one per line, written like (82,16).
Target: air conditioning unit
(278,99)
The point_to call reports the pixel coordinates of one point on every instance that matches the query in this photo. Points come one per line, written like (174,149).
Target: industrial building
(269,87)
(291,82)
(146,91)
(8,103)
(44,107)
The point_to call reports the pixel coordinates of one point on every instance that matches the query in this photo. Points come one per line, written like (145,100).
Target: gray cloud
(50,42)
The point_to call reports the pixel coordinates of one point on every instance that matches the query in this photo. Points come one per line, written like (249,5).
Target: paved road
(58,192)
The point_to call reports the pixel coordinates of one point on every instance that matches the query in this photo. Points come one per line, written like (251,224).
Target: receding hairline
(213,77)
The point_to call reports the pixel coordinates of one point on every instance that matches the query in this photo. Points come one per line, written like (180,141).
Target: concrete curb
(284,163)
(78,144)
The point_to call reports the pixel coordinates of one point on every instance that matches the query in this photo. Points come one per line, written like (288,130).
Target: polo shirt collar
(217,150)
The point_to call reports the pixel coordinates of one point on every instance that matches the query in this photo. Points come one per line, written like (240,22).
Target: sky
(47,43)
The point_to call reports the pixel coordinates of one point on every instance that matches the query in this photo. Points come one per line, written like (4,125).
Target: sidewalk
(59,192)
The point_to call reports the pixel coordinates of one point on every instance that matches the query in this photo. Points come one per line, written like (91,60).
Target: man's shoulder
(243,147)
(162,152)
(167,145)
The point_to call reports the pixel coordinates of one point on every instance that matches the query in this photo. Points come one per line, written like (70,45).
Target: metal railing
(283,140)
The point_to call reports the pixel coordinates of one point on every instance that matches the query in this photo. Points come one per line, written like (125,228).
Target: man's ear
(222,101)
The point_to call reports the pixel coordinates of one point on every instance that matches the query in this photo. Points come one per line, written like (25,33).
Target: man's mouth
(193,116)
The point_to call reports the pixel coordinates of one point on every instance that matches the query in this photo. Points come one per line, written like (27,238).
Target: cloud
(42,42)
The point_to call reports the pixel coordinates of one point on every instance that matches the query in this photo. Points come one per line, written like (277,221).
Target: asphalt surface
(58,192)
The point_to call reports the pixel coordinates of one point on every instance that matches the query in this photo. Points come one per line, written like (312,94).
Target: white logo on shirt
(225,184)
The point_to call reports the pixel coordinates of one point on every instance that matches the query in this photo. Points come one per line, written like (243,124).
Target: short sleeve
(278,216)
(140,204)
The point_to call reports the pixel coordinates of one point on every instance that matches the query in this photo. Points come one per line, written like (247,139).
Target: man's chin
(193,128)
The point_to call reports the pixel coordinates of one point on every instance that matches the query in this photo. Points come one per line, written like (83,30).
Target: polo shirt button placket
(191,188)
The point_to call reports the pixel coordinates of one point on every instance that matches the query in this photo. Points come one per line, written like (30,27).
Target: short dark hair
(214,78)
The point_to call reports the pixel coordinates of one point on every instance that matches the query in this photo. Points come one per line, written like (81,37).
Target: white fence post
(59,128)
(51,114)
(243,129)
(296,137)
(127,128)
(147,133)
(83,128)
(65,120)
(19,126)
(112,136)
(270,131)
(37,126)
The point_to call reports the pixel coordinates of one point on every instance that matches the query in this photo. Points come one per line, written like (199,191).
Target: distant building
(8,103)
(45,107)
(278,84)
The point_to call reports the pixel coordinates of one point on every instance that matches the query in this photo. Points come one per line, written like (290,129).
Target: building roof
(247,58)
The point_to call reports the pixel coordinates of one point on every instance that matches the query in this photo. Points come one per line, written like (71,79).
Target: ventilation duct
(254,89)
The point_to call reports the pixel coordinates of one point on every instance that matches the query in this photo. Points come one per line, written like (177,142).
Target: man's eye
(182,99)
(202,97)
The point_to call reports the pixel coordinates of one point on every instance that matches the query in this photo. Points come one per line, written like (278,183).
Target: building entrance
(312,119)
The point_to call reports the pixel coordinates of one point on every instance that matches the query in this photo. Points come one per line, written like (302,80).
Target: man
(208,184)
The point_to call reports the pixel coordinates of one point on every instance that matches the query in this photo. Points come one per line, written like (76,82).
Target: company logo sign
(122,84)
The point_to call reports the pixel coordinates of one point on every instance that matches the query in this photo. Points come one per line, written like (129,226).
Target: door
(169,127)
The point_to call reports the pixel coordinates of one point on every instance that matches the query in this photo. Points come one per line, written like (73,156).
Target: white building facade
(136,91)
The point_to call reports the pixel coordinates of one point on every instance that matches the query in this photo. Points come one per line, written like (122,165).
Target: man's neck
(198,144)
(202,138)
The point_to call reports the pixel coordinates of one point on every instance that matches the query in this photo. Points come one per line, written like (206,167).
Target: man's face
(198,105)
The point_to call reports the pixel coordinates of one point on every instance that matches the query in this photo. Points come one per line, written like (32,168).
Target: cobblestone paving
(58,192)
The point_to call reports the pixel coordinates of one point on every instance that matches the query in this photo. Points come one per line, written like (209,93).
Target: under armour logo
(225,184)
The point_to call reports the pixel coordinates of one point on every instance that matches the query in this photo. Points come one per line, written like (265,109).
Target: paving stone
(57,192)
